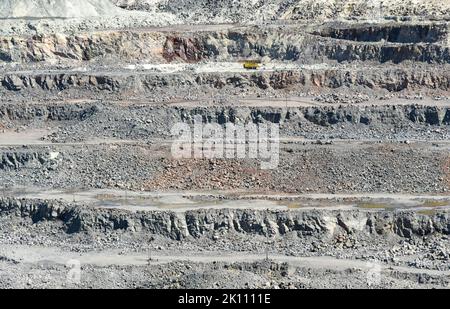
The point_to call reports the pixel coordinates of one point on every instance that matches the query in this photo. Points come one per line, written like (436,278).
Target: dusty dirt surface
(93,197)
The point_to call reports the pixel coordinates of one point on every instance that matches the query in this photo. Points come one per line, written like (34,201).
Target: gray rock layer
(199,223)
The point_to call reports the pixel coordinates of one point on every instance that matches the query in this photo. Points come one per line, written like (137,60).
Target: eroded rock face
(409,33)
(391,80)
(48,112)
(204,223)
(82,47)
(185,49)
(18,160)
(395,43)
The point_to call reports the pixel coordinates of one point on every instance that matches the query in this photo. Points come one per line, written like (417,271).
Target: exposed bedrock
(389,79)
(322,116)
(204,223)
(396,43)
(49,112)
(83,47)
(395,33)
(30,160)
(158,115)
(333,44)
(75,123)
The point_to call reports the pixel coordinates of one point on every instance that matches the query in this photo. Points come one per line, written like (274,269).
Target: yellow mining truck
(252,64)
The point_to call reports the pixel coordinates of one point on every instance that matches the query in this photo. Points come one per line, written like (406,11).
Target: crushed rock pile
(56,8)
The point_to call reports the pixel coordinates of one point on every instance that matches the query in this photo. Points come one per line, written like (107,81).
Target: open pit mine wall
(204,223)
(390,79)
(322,116)
(380,44)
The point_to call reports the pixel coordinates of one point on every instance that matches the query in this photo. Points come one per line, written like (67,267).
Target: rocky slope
(241,11)
(59,9)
